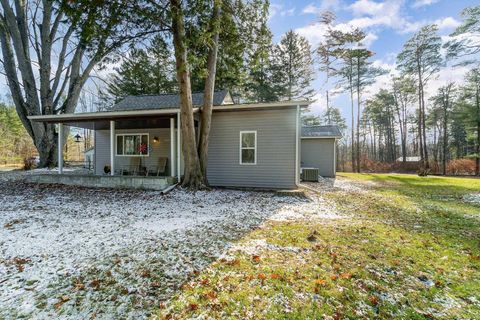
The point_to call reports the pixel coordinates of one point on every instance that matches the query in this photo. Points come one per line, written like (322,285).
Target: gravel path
(74,253)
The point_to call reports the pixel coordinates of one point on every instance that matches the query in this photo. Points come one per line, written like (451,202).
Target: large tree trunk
(421,119)
(193,177)
(424,132)
(358,116)
(353,114)
(206,115)
(445,137)
(477,151)
(353,130)
(46,143)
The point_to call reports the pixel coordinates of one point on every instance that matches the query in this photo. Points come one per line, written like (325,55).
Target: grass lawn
(408,247)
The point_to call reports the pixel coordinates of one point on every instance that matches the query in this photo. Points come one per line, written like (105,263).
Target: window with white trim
(248,147)
(133,145)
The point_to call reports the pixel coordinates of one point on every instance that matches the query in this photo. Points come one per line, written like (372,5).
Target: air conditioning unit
(310,174)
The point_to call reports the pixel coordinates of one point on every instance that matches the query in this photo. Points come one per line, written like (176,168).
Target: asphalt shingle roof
(164,101)
(321,131)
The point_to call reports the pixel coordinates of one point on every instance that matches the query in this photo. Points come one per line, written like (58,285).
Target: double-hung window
(135,144)
(248,147)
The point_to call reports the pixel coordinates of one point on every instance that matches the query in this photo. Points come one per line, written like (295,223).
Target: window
(133,145)
(248,147)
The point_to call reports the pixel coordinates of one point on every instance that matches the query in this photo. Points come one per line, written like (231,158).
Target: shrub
(461,167)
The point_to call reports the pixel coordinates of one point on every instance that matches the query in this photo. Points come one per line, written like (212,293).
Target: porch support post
(297,148)
(60,148)
(179,144)
(172,147)
(112,147)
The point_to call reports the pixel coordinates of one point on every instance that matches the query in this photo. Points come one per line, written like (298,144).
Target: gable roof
(329,131)
(167,101)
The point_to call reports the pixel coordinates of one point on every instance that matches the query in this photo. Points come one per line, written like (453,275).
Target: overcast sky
(388,25)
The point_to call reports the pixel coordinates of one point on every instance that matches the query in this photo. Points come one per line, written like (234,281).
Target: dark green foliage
(15,143)
(144,71)
(463,45)
(292,68)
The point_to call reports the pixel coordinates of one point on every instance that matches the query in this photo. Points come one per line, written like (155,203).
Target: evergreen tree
(420,58)
(466,37)
(443,100)
(144,71)
(328,51)
(403,89)
(259,85)
(293,67)
(469,107)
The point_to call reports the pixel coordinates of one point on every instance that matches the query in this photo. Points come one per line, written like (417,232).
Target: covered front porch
(140,149)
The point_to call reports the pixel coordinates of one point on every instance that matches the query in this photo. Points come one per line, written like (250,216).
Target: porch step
(124,182)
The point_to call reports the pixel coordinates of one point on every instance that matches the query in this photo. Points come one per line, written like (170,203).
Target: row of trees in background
(452,123)
(400,120)
(261,72)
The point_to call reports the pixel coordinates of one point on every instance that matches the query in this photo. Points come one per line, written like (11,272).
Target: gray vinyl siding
(319,153)
(159,149)
(276,132)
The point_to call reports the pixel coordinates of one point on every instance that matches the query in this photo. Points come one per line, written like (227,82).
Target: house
(251,145)
(318,148)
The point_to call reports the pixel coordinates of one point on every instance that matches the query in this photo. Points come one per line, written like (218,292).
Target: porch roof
(327,131)
(158,118)
(152,118)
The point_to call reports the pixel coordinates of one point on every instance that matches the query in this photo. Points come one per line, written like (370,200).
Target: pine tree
(293,65)
(144,71)
(469,107)
(465,42)
(421,59)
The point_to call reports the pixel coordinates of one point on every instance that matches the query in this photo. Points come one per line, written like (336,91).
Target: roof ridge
(169,93)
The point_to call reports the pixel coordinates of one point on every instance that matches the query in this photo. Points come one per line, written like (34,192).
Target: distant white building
(409,159)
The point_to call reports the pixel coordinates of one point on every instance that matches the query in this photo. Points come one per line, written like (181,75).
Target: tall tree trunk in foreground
(477,151)
(206,115)
(420,116)
(193,177)
(353,114)
(358,116)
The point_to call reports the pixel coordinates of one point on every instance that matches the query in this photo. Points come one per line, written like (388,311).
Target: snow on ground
(473,198)
(71,252)
(339,183)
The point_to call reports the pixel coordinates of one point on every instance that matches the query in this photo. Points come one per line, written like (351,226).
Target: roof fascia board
(105,115)
(324,137)
(248,106)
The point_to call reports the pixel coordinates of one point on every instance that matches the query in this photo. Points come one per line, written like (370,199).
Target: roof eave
(322,137)
(104,115)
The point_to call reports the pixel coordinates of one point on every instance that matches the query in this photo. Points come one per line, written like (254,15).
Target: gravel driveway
(69,252)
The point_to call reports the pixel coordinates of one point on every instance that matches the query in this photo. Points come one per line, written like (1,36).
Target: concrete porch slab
(122,182)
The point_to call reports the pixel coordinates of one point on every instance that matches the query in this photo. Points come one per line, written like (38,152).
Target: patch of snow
(473,198)
(72,252)
(447,302)
(339,183)
(316,208)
